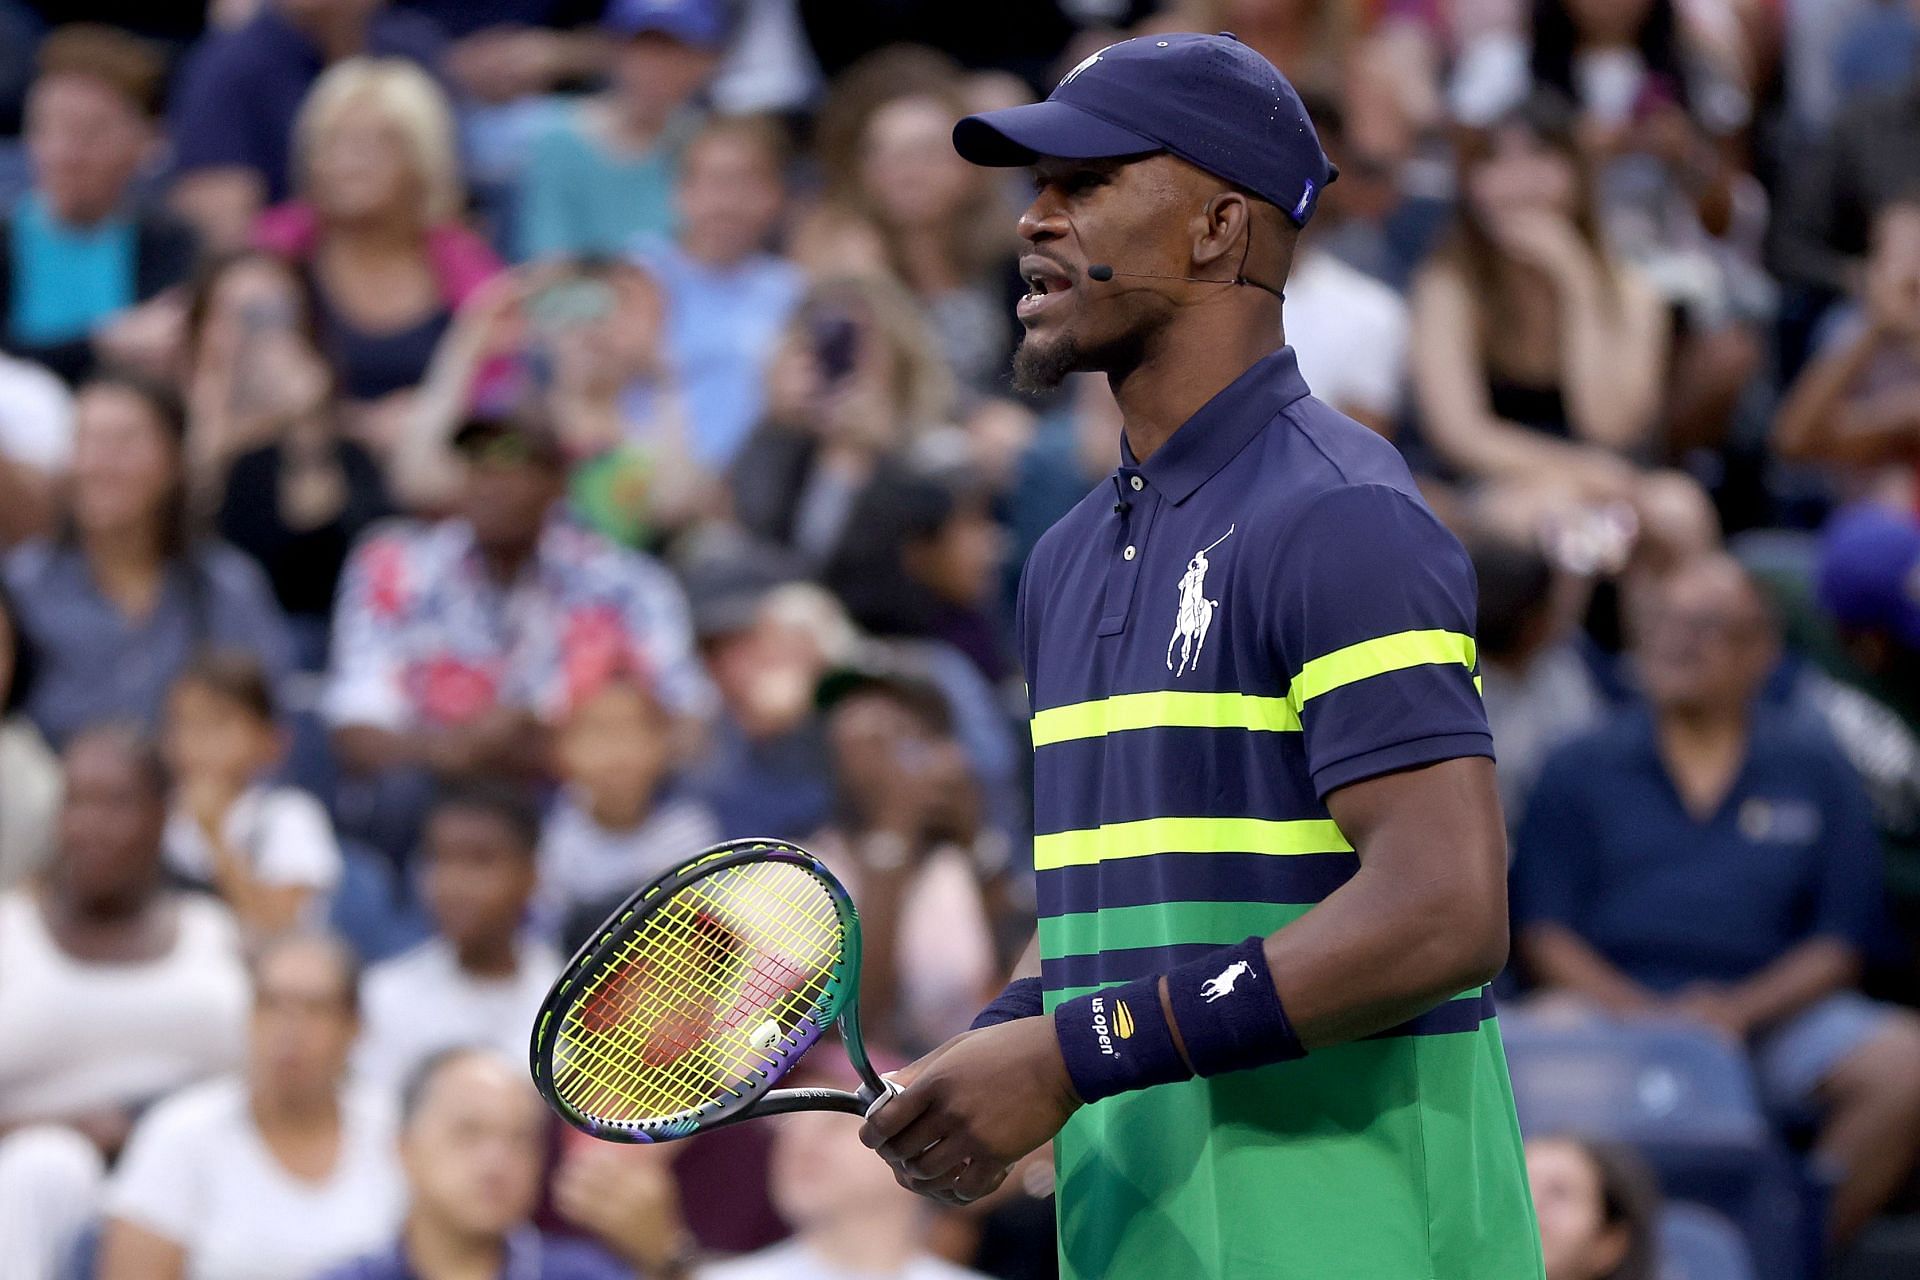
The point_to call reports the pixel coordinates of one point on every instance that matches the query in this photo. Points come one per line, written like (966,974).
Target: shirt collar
(1221,427)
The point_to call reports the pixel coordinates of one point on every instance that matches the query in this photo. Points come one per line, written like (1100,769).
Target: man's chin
(1040,365)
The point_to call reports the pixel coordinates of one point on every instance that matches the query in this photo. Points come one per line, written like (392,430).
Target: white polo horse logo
(1195,618)
(1221,984)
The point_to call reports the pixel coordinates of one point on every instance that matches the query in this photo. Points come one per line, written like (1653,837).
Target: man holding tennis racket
(1271,863)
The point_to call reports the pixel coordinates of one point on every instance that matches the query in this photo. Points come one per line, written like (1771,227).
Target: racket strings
(677,1019)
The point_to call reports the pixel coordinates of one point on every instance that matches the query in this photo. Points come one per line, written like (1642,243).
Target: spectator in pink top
(376,227)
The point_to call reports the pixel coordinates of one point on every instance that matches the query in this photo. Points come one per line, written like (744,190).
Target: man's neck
(874,1245)
(120,555)
(1188,364)
(504,564)
(1702,750)
(81,217)
(437,1251)
(712,256)
(337,35)
(496,958)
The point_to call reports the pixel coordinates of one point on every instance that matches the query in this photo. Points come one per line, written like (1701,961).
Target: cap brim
(1020,135)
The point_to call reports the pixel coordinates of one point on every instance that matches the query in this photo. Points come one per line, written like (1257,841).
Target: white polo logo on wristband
(1221,984)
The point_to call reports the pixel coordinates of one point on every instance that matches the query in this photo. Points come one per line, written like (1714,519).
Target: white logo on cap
(1085,62)
(1306,197)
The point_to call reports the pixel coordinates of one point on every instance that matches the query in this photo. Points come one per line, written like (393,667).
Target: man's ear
(1220,231)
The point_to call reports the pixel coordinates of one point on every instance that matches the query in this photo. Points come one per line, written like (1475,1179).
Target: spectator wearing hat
(124,597)
(80,256)
(603,175)
(473,1140)
(728,298)
(233,162)
(623,815)
(276,1173)
(458,643)
(480,978)
(1863,626)
(1710,859)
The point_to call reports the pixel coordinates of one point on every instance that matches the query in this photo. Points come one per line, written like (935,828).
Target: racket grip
(888,1092)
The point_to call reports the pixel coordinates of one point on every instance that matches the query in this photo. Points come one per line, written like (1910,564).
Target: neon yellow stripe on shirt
(1377,657)
(1115,840)
(1179,709)
(1163,709)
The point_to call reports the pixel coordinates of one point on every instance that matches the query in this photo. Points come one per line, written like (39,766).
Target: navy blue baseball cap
(703,24)
(1210,100)
(1869,571)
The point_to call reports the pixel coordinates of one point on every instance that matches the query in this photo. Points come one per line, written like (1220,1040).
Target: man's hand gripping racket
(700,992)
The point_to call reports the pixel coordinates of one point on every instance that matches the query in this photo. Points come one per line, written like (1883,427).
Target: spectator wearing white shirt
(479,980)
(849,1217)
(267,849)
(36,446)
(273,1176)
(1350,333)
(113,991)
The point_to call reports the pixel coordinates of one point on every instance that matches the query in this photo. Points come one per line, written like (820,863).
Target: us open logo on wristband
(1122,1020)
(1100,1026)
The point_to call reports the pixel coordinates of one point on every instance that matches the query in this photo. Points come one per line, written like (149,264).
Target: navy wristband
(1021,999)
(1117,1039)
(1229,1014)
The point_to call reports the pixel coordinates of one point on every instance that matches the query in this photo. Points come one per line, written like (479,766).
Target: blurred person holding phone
(883,142)
(584,338)
(603,175)
(473,1140)
(267,448)
(274,1174)
(1856,405)
(856,381)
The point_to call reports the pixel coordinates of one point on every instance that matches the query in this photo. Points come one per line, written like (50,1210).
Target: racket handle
(887,1093)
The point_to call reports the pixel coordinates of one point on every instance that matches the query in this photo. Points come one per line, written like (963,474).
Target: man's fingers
(911,1143)
(936,1164)
(885,1120)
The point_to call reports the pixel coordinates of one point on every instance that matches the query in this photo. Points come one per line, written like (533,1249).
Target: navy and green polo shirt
(1261,613)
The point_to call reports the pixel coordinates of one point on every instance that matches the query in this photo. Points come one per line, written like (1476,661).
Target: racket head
(698,993)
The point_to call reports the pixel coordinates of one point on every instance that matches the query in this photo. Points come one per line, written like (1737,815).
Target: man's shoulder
(423,965)
(1595,758)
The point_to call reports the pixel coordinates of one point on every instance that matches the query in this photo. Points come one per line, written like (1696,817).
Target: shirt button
(1138,484)
(1128,553)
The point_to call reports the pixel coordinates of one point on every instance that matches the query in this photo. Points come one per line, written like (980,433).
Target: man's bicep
(1438,825)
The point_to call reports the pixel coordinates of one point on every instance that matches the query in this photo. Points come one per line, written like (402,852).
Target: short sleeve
(365,686)
(1372,616)
(158,1183)
(1851,902)
(297,844)
(1554,842)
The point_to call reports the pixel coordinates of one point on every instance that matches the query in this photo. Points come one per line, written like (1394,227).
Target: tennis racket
(700,992)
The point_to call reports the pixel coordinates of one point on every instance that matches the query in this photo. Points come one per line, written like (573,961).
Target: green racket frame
(838,1005)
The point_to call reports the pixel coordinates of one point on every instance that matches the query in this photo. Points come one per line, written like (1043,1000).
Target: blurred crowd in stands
(459,457)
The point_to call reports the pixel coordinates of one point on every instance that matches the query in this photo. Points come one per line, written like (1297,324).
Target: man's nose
(1043,220)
